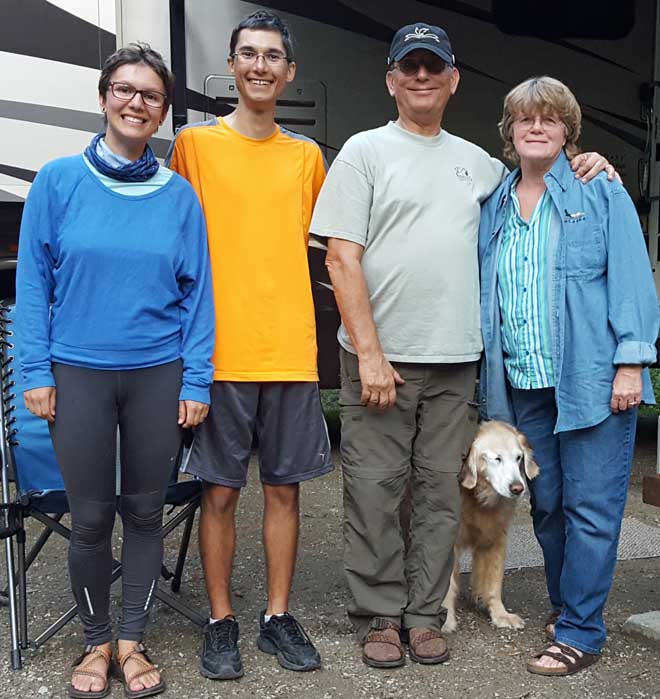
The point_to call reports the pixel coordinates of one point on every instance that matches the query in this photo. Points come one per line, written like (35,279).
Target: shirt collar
(560,172)
(505,191)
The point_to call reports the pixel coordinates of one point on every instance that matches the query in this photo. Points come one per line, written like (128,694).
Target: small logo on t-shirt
(463,175)
(422,33)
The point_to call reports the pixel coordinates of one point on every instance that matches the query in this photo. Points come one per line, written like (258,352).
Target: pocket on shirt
(585,250)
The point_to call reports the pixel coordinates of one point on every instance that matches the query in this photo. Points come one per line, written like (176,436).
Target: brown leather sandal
(140,657)
(377,648)
(83,667)
(568,656)
(427,646)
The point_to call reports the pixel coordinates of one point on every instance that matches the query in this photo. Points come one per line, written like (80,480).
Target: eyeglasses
(125,92)
(432,63)
(273,58)
(547,122)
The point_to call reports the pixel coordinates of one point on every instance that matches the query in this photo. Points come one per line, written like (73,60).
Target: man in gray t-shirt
(400,208)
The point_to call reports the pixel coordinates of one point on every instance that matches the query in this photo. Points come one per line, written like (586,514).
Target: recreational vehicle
(51,51)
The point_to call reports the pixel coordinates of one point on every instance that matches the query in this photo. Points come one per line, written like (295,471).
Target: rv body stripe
(198,102)
(12,188)
(629,138)
(338,15)
(41,81)
(631,122)
(38,28)
(53,116)
(6,196)
(461,8)
(66,119)
(335,14)
(18,172)
(585,52)
(98,12)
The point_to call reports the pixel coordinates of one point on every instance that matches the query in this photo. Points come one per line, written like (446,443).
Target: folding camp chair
(27,454)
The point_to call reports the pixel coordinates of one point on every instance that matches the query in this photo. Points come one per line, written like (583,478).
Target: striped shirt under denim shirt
(522,291)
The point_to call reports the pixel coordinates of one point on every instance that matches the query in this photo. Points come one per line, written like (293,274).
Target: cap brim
(426,46)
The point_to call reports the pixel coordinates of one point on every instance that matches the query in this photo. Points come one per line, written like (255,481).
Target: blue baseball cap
(421,36)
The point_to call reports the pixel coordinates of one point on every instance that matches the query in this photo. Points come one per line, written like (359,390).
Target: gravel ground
(485,662)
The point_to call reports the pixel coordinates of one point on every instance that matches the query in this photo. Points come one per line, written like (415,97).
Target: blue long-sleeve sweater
(109,281)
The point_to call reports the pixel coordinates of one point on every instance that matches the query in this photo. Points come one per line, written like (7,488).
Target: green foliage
(653,409)
(330,403)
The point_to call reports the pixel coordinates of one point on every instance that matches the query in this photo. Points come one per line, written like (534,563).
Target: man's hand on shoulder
(379,380)
(587,165)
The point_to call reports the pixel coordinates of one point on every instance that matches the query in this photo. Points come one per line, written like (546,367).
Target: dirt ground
(485,662)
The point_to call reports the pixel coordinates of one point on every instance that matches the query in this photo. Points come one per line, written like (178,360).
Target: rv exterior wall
(49,106)
(147,20)
(605,75)
(347,53)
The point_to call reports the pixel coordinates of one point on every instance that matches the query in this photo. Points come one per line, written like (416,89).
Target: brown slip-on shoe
(382,646)
(427,646)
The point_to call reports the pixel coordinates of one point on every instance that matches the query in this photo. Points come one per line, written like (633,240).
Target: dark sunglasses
(410,65)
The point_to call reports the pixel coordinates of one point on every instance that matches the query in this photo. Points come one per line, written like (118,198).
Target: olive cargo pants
(420,442)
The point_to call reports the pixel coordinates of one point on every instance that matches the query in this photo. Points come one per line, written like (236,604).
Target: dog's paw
(450,625)
(507,621)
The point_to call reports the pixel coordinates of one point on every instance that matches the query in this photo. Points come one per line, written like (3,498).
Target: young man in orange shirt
(258,184)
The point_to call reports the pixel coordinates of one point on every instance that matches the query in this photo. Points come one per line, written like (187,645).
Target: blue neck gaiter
(136,171)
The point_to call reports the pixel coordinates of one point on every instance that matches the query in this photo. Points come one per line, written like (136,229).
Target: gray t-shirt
(413,203)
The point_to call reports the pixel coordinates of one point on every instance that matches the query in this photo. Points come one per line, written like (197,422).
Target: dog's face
(502,456)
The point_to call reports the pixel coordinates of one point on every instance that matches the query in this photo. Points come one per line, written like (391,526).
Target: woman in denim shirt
(569,319)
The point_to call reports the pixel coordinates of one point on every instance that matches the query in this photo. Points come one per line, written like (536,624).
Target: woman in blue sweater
(114,299)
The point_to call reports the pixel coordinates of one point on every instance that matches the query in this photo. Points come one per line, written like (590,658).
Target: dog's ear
(531,467)
(468,475)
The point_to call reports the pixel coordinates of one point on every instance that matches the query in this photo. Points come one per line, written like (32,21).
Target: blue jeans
(577,507)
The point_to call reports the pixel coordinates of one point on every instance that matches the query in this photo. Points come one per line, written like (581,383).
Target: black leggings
(91,404)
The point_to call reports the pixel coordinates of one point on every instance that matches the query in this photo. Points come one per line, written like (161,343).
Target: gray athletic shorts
(290,428)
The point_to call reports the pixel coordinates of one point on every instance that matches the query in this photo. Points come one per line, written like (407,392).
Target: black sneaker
(220,658)
(284,637)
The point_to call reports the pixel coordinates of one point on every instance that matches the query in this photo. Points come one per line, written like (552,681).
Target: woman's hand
(192,413)
(41,402)
(626,388)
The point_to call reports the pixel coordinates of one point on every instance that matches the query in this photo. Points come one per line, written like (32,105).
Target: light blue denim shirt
(603,303)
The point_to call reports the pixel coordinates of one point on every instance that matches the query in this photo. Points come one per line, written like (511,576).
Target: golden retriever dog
(493,479)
